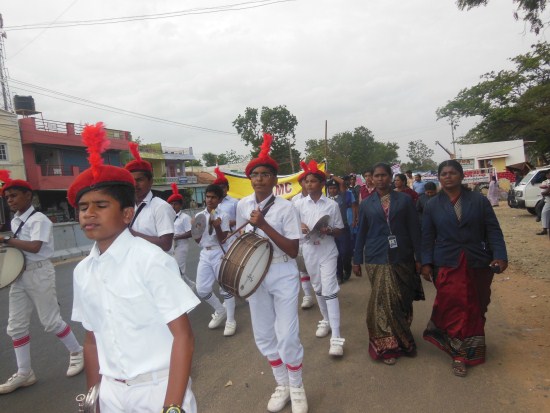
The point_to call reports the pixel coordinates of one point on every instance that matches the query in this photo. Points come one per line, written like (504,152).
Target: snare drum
(245,265)
(12,265)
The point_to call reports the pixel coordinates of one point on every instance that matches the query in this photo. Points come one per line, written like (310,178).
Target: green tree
(352,151)
(420,156)
(280,123)
(512,104)
(194,162)
(530,10)
(211,159)
(233,157)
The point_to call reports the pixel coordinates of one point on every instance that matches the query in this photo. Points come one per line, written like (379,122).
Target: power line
(114,20)
(85,102)
(43,30)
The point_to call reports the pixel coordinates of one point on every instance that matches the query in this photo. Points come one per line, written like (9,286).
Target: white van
(527,192)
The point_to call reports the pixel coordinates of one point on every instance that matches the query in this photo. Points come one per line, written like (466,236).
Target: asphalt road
(229,375)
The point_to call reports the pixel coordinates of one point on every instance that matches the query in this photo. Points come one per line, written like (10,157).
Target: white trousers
(180,254)
(545,216)
(34,288)
(321,261)
(117,397)
(207,270)
(274,314)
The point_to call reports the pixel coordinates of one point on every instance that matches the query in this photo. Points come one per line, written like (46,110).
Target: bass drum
(12,265)
(245,265)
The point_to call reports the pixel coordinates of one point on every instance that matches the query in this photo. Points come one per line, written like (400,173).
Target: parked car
(527,192)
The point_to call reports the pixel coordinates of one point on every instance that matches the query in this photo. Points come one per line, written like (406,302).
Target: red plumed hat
(221,179)
(303,174)
(263,158)
(12,183)
(98,175)
(176,196)
(138,164)
(313,168)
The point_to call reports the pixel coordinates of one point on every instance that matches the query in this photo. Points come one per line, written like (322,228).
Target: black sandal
(459,368)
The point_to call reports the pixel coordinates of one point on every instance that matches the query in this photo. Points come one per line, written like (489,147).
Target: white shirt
(297,197)
(311,211)
(182,224)
(37,227)
(211,240)
(127,296)
(229,206)
(282,217)
(156,217)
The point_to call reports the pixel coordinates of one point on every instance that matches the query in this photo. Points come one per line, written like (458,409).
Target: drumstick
(237,230)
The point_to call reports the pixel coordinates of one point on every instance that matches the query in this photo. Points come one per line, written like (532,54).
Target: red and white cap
(176,196)
(12,183)
(263,158)
(137,164)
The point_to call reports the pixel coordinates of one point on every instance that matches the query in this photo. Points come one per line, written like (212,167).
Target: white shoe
(230,328)
(16,381)
(279,399)
(336,346)
(298,399)
(323,328)
(76,364)
(217,319)
(307,301)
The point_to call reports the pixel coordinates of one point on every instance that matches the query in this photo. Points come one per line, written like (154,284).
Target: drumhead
(254,269)
(198,226)
(12,265)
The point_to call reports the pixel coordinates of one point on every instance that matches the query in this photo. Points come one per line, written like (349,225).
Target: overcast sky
(381,64)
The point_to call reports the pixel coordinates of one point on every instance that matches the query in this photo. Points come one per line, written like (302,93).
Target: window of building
(3,151)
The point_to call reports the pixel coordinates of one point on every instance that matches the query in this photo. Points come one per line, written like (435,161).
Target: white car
(527,192)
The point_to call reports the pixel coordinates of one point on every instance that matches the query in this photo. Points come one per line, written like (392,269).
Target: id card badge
(393,241)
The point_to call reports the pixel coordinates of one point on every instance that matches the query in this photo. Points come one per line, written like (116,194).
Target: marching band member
(35,287)
(305,279)
(274,305)
(321,254)
(210,260)
(154,217)
(130,299)
(227,204)
(182,230)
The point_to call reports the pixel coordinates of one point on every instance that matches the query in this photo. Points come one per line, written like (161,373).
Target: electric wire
(114,20)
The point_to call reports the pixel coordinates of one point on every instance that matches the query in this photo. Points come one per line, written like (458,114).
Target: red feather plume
(134,150)
(266,146)
(5,176)
(174,188)
(304,166)
(312,166)
(219,173)
(95,139)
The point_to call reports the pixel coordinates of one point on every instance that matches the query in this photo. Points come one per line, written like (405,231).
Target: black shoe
(537,219)
(347,276)
(543,232)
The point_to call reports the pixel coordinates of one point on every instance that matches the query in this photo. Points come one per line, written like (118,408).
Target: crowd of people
(132,293)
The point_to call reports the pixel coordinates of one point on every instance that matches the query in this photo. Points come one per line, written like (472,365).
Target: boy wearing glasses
(274,305)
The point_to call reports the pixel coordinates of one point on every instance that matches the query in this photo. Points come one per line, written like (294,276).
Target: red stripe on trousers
(20,342)
(276,363)
(64,333)
(306,278)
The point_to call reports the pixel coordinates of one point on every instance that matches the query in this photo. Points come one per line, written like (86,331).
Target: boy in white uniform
(305,279)
(321,254)
(129,297)
(210,260)
(227,203)
(182,230)
(274,305)
(33,235)
(154,218)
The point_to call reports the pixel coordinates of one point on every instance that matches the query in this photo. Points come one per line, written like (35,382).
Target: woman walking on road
(493,194)
(462,247)
(389,238)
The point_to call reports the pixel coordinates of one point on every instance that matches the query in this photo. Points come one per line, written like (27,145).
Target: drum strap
(23,223)
(267,207)
(140,207)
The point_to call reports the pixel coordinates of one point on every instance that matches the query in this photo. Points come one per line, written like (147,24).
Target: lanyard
(141,206)
(267,207)
(23,223)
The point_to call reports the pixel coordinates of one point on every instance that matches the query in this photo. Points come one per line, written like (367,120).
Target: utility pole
(6,96)
(326,141)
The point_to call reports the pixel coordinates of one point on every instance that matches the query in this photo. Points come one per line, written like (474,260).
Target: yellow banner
(287,185)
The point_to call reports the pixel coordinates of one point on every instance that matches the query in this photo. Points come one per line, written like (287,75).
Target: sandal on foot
(459,368)
(390,362)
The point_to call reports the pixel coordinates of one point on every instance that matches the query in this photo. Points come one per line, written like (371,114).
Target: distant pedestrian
(400,183)
(494,193)
(418,184)
(429,193)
